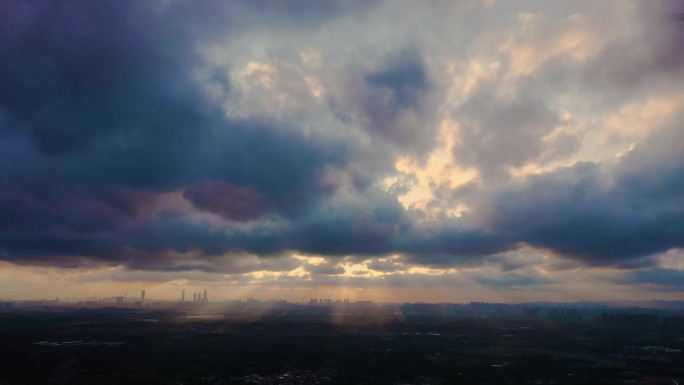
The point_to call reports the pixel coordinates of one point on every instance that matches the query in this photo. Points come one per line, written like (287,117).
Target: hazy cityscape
(295,192)
(337,341)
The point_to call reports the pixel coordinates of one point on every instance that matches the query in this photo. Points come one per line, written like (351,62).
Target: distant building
(142,296)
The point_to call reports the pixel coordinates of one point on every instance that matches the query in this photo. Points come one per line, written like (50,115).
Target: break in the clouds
(483,143)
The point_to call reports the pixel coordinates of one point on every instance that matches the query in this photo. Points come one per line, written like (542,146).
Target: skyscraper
(183,296)
(205,299)
(142,295)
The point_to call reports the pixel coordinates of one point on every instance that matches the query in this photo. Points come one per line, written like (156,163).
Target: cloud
(404,77)
(325,269)
(231,202)
(387,265)
(497,134)
(513,280)
(665,279)
(224,137)
(599,216)
(646,54)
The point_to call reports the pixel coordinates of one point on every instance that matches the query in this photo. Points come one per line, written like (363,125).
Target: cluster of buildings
(197,297)
(326,301)
(117,301)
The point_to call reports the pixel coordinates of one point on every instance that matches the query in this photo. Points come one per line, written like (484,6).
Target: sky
(502,151)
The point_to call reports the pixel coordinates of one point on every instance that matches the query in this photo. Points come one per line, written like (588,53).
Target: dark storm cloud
(93,90)
(236,264)
(666,279)
(394,99)
(81,210)
(104,92)
(600,216)
(453,245)
(69,66)
(231,202)
(102,118)
(404,77)
(574,212)
(366,227)
(327,228)
(98,99)
(57,220)
(182,235)
(396,91)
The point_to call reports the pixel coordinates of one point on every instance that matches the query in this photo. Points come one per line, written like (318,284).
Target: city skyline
(386,151)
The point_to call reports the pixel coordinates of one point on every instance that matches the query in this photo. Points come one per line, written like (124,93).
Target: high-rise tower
(183,296)
(142,295)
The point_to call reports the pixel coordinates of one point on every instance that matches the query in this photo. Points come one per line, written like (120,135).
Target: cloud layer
(226,138)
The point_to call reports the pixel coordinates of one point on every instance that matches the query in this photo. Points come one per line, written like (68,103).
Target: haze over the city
(503,151)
